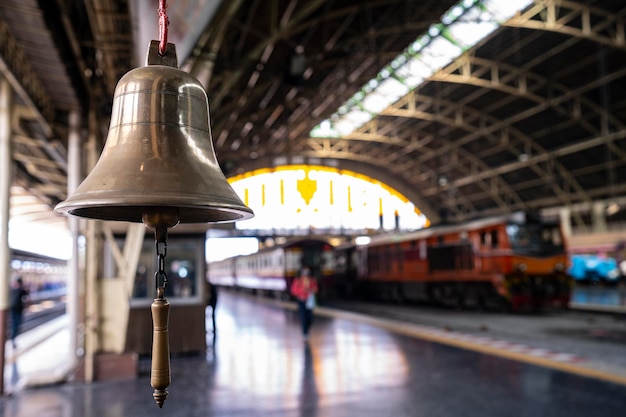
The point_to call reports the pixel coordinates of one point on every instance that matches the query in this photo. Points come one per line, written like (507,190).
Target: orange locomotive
(513,261)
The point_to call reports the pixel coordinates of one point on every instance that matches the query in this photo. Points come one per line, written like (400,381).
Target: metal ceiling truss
(489,133)
(574,19)
(115,46)
(412,158)
(280,28)
(17,69)
(42,160)
(277,127)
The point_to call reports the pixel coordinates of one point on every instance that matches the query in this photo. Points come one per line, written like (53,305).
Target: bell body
(158,155)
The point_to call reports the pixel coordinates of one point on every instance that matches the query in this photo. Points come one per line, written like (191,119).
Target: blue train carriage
(271,270)
(594,269)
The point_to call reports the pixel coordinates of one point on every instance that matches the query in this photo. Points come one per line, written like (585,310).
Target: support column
(94,230)
(566,222)
(598,217)
(73,180)
(6,165)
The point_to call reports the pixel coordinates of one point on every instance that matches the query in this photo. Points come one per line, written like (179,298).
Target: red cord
(163,23)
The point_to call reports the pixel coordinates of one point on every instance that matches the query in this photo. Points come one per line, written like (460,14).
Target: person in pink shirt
(304,288)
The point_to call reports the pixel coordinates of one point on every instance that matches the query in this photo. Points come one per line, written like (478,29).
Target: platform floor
(40,357)
(259,365)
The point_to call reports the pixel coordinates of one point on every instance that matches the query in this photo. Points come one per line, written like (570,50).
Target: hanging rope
(163,23)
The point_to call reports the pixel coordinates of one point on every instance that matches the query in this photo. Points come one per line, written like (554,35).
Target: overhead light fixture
(612,209)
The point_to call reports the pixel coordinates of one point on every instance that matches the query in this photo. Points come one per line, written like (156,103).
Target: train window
(465,256)
(372,260)
(440,258)
(494,239)
(399,254)
(341,261)
(483,238)
(450,257)
(535,238)
(552,236)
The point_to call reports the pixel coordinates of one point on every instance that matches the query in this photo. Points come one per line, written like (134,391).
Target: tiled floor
(261,366)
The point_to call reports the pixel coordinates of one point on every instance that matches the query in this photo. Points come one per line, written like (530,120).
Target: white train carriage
(272,269)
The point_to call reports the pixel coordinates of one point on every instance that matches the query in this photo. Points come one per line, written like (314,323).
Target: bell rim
(79,209)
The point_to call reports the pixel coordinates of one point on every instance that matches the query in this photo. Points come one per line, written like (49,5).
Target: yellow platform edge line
(412,330)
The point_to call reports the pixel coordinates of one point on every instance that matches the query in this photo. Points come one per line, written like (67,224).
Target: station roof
(530,117)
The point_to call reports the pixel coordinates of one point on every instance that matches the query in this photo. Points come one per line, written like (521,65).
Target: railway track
(38,318)
(42,308)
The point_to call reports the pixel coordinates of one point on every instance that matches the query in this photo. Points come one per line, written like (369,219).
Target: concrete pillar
(92,317)
(6,166)
(598,217)
(73,180)
(566,222)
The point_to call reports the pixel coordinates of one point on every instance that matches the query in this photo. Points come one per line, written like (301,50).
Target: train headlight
(559,267)
(521,267)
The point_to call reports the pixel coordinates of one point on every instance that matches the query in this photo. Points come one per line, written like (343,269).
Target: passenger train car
(598,258)
(40,273)
(594,269)
(272,269)
(514,262)
(511,261)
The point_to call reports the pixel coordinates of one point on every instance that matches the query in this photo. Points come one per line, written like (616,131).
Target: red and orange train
(515,262)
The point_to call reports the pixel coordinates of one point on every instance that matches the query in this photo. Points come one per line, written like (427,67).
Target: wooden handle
(160,375)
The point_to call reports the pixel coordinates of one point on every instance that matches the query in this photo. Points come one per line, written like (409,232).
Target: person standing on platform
(304,289)
(18,299)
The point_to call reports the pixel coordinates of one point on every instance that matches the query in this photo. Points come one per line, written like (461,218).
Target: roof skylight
(461,27)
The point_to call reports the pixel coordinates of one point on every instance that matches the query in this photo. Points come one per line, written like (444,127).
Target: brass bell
(158,154)
(158,167)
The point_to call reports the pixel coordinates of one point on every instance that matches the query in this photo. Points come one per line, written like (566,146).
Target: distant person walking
(211,300)
(19,299)
(304,288)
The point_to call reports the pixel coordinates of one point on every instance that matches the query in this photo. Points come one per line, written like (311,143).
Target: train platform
(260,365)
(40,357)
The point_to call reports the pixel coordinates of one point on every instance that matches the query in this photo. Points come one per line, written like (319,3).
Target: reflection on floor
(595,296)
(260,365)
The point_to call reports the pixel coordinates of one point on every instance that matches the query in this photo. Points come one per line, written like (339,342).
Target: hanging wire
(163,23)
